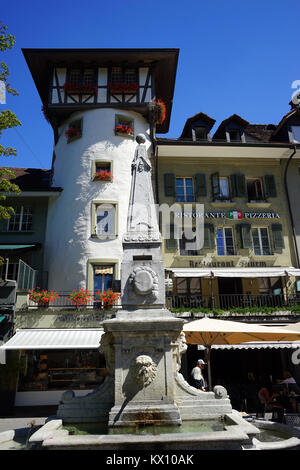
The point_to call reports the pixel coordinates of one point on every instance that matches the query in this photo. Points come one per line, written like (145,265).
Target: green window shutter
(170,184)
(233,185)
(208,241)
(278,238)
(200,184)
(215,185)
(246,236)
(241,186)
(238,185)
(270,186)
(171,243)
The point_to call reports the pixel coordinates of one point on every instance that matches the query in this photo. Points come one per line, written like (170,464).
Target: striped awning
(75,338)
(104,270)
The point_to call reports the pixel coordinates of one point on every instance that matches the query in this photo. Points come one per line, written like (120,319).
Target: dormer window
(234,135)
(199,133)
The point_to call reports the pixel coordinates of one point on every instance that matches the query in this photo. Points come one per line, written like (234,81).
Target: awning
(54,339)
(256,345)
(235,272)
(250,272)
(15,247)
(190,272)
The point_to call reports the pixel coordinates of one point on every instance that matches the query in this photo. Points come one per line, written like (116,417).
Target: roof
(261,132)
(40,62)
(32,179)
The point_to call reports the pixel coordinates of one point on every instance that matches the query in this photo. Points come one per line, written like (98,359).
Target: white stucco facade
(70,247)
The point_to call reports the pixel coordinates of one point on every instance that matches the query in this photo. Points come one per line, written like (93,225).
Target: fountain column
(144,332)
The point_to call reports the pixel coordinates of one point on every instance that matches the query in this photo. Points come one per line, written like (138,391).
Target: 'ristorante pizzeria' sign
(233,215)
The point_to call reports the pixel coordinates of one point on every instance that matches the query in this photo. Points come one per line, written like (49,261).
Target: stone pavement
(23,416)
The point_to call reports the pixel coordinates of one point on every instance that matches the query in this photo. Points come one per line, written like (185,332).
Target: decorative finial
(140,138)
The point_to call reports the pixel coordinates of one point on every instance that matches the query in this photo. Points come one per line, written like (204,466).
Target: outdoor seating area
(228,301)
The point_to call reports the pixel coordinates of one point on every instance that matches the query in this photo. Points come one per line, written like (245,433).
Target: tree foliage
(8,119)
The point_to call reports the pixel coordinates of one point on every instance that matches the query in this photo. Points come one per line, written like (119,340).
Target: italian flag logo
(235,215)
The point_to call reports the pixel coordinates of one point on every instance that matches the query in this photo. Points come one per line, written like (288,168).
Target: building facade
(233,184)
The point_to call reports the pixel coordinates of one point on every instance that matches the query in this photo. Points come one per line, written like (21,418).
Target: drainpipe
(289,205)
(151,118)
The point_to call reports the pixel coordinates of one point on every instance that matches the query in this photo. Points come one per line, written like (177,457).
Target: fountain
(143,346)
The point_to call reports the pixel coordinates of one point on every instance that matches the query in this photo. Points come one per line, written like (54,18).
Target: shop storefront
(53,361)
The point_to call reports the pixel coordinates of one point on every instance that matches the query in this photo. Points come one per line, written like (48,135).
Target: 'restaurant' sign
(233,215)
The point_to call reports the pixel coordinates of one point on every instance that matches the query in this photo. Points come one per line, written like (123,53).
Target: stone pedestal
(144,343)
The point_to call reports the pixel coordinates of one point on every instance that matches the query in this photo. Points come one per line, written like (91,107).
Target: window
(82,77)
(124,126)
(225,242)
(103,277)
(75,76)
(102,170)
(118,75)
(21,221)
(234,135)
(220,187)
(199,133)
(185,245)
(74,130)
(88,77)
(188,285)
(184,190)
(255,189)
(296,133)
(261,241)
(224,188)
(104,219)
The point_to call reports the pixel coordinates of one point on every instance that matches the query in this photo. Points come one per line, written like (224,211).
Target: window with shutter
(278,238)
(208,236)
(270,185)
(169,183)
(171,241)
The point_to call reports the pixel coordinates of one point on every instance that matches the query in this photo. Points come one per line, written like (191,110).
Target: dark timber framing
(161,64)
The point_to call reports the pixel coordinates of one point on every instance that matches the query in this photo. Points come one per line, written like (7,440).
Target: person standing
(198,378)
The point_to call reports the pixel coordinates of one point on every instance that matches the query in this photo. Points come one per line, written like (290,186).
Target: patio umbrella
(210,331)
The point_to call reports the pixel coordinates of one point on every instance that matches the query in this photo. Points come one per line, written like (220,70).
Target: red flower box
(74,89)
(103,175)
(120,87)
(124,129)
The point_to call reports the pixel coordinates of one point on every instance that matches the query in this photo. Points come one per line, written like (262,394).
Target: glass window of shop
(67,369)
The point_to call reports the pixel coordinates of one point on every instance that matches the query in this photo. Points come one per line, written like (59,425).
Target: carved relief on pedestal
(145,370)
(144,281)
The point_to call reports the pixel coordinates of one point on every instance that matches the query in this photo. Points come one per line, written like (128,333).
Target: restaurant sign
(233,215)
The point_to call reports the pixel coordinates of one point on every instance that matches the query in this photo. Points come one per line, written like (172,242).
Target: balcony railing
(230,301)
(63,302)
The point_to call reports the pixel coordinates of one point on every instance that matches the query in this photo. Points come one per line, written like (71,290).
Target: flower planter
(125,88)
(72,89)
(103,175)
(124,130)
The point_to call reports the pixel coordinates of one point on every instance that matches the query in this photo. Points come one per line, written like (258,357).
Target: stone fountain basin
(237,434)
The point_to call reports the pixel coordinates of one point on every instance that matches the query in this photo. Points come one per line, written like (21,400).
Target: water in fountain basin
(150,429)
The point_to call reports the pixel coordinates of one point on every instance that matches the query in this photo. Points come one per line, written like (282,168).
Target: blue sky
(235,57)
